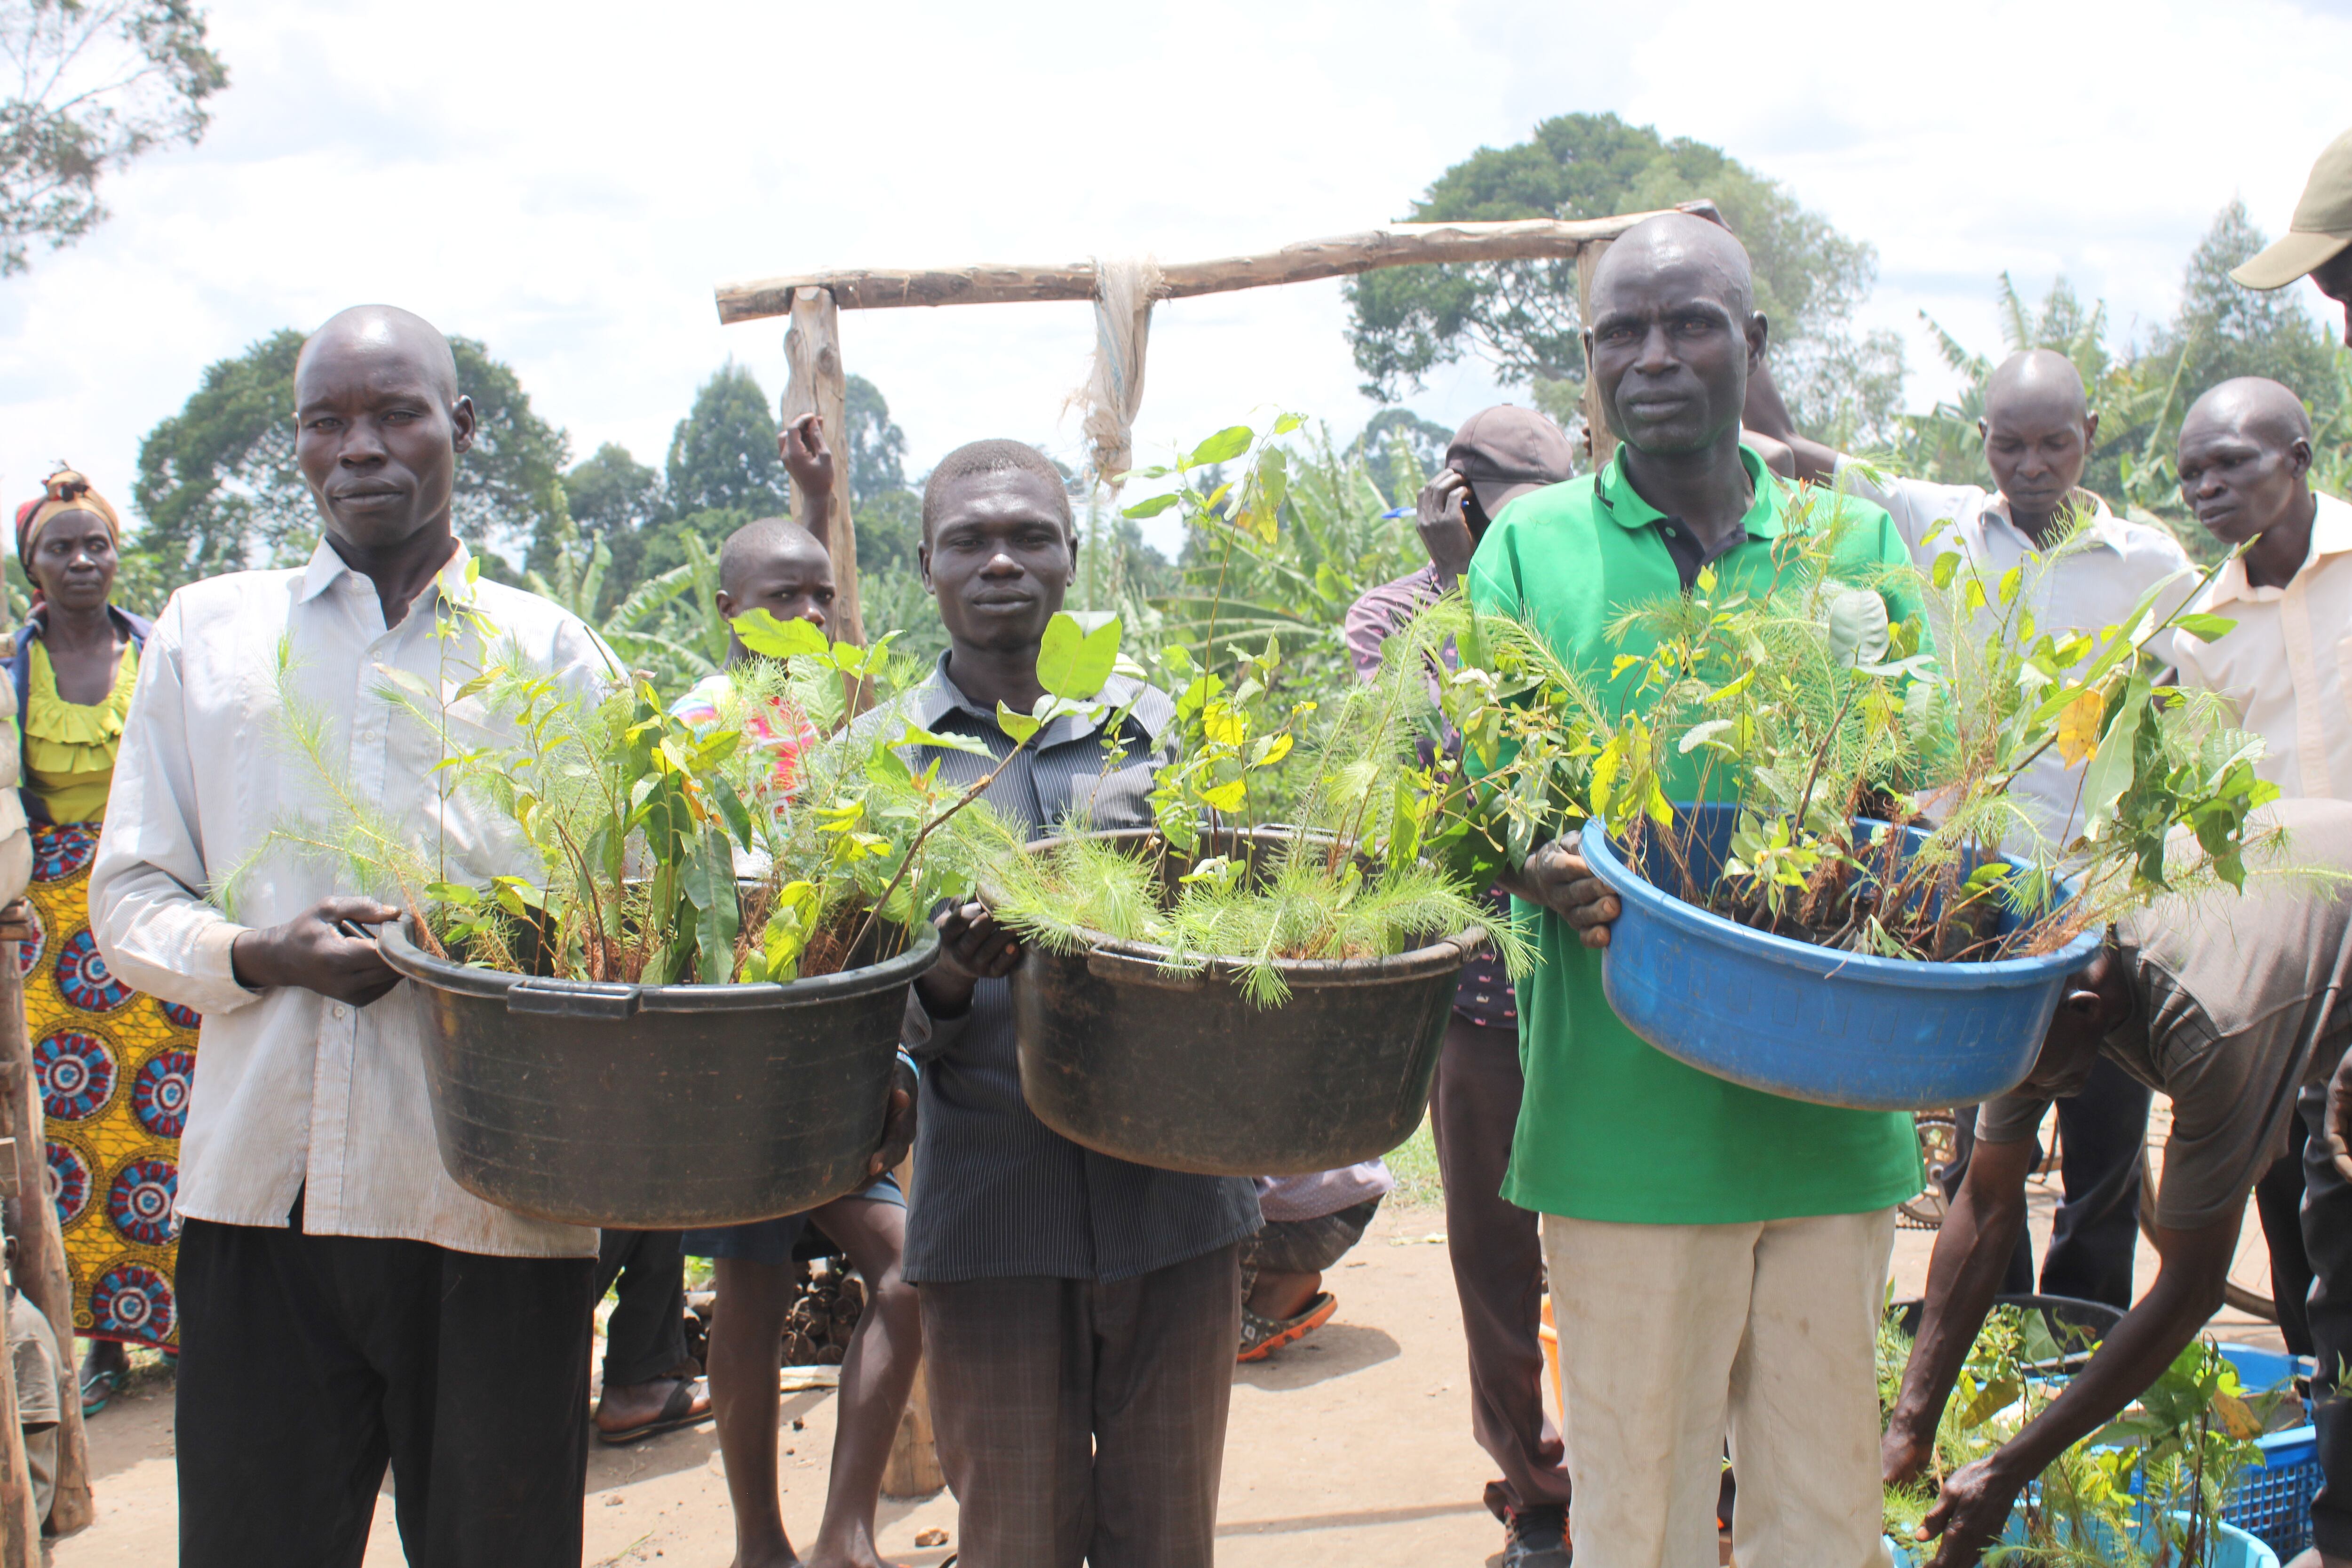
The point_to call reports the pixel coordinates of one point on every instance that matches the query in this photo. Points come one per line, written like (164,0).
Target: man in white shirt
(2245,468)
(344,1302)
(2083,569)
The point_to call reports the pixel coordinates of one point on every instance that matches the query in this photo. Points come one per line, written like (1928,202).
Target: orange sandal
(1262,1336)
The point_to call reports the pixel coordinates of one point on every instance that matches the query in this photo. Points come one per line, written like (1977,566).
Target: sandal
(98,1387)
(1261,1335)
(683,1408)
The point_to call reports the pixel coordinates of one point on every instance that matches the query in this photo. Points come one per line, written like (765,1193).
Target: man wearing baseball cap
(2318,243)
(1498,456)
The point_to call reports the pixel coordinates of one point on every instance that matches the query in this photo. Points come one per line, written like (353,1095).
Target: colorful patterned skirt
(114,1069)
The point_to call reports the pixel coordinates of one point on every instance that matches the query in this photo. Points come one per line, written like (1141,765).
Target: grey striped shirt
(998,1192)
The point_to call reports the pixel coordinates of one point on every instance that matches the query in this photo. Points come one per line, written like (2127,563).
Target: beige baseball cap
(2322,225)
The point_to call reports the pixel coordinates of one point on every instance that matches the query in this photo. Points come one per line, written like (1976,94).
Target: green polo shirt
(1610,1128)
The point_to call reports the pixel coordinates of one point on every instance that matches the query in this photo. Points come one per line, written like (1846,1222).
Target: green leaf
(1020,726)
(1073,662)
(710,886)
(764,635)
(2110,772)
(1700,734)
(2205,628)
(731,807)
(1287,423)
(1857,624)
(1151,506)
(1995,1397)
(1222,448)
(455,893)
(1226,797)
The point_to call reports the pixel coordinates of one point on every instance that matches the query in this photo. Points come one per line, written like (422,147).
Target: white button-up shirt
(2086,588)
(295,1092)
(2288,663)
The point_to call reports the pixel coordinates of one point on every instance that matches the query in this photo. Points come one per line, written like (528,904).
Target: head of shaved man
(379,424)
(2038,430)
(1673,337)
(2245,469)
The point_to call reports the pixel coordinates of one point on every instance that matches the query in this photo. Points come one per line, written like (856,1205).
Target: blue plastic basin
(1813,1022)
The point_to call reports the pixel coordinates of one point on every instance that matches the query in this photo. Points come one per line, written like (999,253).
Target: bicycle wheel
(2250,1302)
(1939,1145)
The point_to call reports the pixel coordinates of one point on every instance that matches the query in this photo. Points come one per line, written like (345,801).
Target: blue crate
(2273,1502)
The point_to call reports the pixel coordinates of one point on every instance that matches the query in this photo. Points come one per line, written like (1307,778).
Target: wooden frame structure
(814,301)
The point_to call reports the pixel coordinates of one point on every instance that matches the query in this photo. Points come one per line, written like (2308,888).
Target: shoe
(1536,1538)
(1261,1335)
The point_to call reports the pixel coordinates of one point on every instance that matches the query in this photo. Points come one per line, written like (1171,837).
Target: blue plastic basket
(1812,1023)
(2272,1500)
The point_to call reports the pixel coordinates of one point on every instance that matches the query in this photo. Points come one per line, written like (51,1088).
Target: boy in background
(775,565)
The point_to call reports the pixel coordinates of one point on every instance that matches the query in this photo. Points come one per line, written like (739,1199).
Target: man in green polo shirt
(1718,1256)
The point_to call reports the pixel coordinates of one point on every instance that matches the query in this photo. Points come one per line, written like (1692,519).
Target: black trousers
(1497,1250)
(2328,1241)
(307,1363)
(646,1336)
(2278,1199)
(2101,1134)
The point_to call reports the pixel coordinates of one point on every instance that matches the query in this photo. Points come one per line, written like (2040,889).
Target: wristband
(908,1060)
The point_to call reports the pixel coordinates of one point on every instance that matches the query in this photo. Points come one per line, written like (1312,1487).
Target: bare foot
(633,1404)
(767,1558)
(856,1554)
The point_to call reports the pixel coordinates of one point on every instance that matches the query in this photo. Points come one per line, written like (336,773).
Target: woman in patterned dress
(114,1066)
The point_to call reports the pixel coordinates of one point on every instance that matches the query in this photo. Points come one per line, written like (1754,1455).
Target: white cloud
(568,181)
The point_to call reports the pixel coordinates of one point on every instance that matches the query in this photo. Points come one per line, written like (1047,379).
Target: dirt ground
(1353,1445)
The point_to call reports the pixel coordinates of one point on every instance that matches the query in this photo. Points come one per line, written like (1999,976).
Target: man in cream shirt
(2083,569)
(2245,468)
(342,1302)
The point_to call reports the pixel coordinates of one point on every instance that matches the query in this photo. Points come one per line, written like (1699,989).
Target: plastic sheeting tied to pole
(1125,291)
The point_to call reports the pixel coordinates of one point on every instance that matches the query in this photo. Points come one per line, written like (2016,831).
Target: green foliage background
(1521,316)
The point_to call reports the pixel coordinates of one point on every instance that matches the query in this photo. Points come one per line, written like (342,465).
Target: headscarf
(65,492)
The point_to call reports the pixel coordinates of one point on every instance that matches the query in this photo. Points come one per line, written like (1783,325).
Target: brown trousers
(1497,1253)
(1085,1422)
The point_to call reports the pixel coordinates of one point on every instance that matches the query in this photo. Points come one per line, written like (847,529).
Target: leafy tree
(2223,330)
(877,447)
(889,527)
(613,499)
(97,82)
(1397,436)
(723,453)
(1522,316)
(220,489)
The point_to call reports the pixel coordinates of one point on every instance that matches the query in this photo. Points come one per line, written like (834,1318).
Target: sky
(568,181)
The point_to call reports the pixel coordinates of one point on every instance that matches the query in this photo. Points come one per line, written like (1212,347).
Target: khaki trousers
(1672,1336)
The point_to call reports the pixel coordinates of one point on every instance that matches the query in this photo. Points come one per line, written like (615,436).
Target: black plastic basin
(1186,1073)
(657,1106)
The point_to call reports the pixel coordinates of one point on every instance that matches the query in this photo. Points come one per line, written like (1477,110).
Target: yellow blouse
(70,747)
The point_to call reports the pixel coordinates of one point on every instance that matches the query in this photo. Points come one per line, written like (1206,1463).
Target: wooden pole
(20,1514)
(1596,417)
(812,351)
(1402,244)
(41,1250)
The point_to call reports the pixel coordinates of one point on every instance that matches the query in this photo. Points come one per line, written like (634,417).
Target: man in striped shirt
(1080,1313)
(1496,1247)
